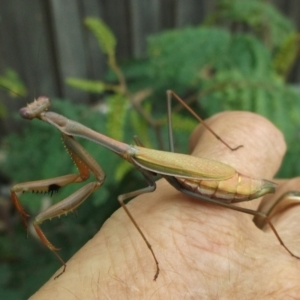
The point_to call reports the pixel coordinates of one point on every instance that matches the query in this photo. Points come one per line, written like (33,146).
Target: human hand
(204,251)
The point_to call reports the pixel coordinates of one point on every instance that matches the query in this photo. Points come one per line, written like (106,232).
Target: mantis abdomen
(238,188)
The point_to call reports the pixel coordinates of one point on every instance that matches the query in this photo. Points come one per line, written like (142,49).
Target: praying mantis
(203,179)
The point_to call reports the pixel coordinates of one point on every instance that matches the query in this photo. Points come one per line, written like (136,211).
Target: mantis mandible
(203,179)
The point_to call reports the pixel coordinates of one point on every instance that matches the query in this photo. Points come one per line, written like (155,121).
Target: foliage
(230,69)
(286,55)
(87,85)
(104,35)
(261,17)
(12,84)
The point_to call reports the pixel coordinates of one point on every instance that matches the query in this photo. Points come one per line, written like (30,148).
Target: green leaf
(104,35)
(140,126)
(286,55)
(262,17)
(86,85)
(117,106)
(122,169)
(12,83)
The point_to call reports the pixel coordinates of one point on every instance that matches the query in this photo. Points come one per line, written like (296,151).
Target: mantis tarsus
(203,179)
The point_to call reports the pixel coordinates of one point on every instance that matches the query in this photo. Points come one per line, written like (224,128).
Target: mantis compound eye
(34,109)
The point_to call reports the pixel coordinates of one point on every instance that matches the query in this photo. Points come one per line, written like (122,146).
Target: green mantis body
(207,180)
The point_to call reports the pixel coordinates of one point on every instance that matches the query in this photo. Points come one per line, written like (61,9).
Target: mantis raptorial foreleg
(85,163)
(203,179)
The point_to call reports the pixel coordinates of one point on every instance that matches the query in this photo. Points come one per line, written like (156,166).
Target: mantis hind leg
(271,208)
(262,216)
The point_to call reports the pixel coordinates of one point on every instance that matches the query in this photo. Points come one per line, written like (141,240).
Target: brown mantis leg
(148,189)
(258,214)
(170,95)
(85,163)
(138,141)
(270,209)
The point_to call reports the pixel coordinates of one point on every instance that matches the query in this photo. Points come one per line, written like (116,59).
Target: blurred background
(108,64)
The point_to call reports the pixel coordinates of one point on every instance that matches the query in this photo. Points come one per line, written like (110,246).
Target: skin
(204,251)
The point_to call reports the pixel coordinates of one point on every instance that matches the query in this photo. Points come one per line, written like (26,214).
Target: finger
(260,157)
